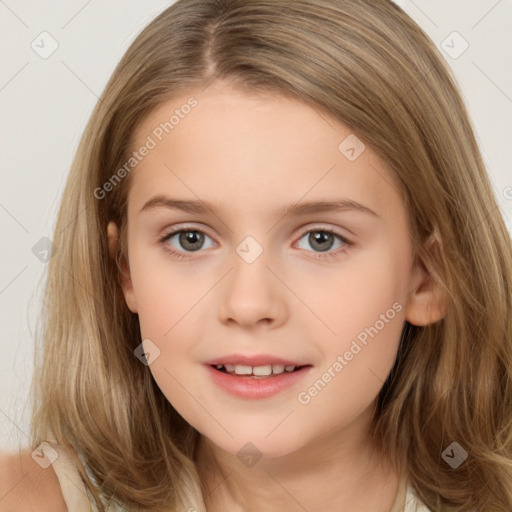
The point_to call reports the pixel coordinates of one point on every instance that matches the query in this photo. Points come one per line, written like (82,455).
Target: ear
(126,282)
(426,302)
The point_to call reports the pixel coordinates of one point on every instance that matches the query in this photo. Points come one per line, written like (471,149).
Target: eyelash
(320,256)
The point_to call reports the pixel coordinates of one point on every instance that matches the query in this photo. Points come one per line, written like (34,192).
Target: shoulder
(25,486)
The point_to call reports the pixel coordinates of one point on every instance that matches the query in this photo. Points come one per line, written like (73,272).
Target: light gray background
(45,104)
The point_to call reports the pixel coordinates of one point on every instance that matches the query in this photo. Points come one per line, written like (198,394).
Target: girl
(282,278)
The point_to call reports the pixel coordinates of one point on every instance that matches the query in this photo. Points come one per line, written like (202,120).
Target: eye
(322,240)
(190,240)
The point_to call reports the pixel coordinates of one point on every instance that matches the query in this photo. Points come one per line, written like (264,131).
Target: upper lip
(254,360)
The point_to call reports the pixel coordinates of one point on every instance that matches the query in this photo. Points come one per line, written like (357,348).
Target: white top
(77,499)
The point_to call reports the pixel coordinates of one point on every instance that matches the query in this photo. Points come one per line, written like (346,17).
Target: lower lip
(252,388)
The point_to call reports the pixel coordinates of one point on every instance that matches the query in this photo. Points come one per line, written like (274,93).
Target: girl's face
(245,279)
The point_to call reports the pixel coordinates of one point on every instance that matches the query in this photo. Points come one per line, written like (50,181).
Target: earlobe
(126,283)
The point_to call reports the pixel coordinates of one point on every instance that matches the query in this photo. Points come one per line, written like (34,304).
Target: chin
(249,442)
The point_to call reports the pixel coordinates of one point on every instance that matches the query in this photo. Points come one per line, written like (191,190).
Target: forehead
(259,147)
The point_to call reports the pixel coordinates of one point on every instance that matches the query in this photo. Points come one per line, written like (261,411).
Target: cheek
(169,306)
(363,308)
(166,294)
(355,297)
(166,311)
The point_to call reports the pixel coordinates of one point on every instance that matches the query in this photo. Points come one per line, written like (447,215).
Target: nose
(251,294)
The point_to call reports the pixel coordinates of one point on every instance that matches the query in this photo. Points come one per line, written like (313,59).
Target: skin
(253,153)
(26,486)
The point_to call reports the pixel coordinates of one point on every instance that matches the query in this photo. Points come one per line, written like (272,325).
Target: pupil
(191,240)
(318,238)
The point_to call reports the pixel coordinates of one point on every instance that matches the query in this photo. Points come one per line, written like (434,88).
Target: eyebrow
(305,208)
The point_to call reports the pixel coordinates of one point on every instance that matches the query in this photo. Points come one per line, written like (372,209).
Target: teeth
(259,371)
(243,370)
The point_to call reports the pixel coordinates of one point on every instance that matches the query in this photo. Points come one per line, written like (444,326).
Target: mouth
(257,372)
(264,380)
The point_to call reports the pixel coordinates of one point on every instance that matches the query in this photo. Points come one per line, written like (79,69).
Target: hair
(368,65)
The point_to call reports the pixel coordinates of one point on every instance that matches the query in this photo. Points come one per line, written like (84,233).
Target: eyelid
(176,228)
(315,226)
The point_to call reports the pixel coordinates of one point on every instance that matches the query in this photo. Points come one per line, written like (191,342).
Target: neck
(343,471)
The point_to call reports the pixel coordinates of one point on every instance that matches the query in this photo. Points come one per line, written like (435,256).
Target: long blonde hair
(369,65)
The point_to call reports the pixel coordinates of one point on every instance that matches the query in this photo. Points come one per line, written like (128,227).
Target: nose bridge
(252,293)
